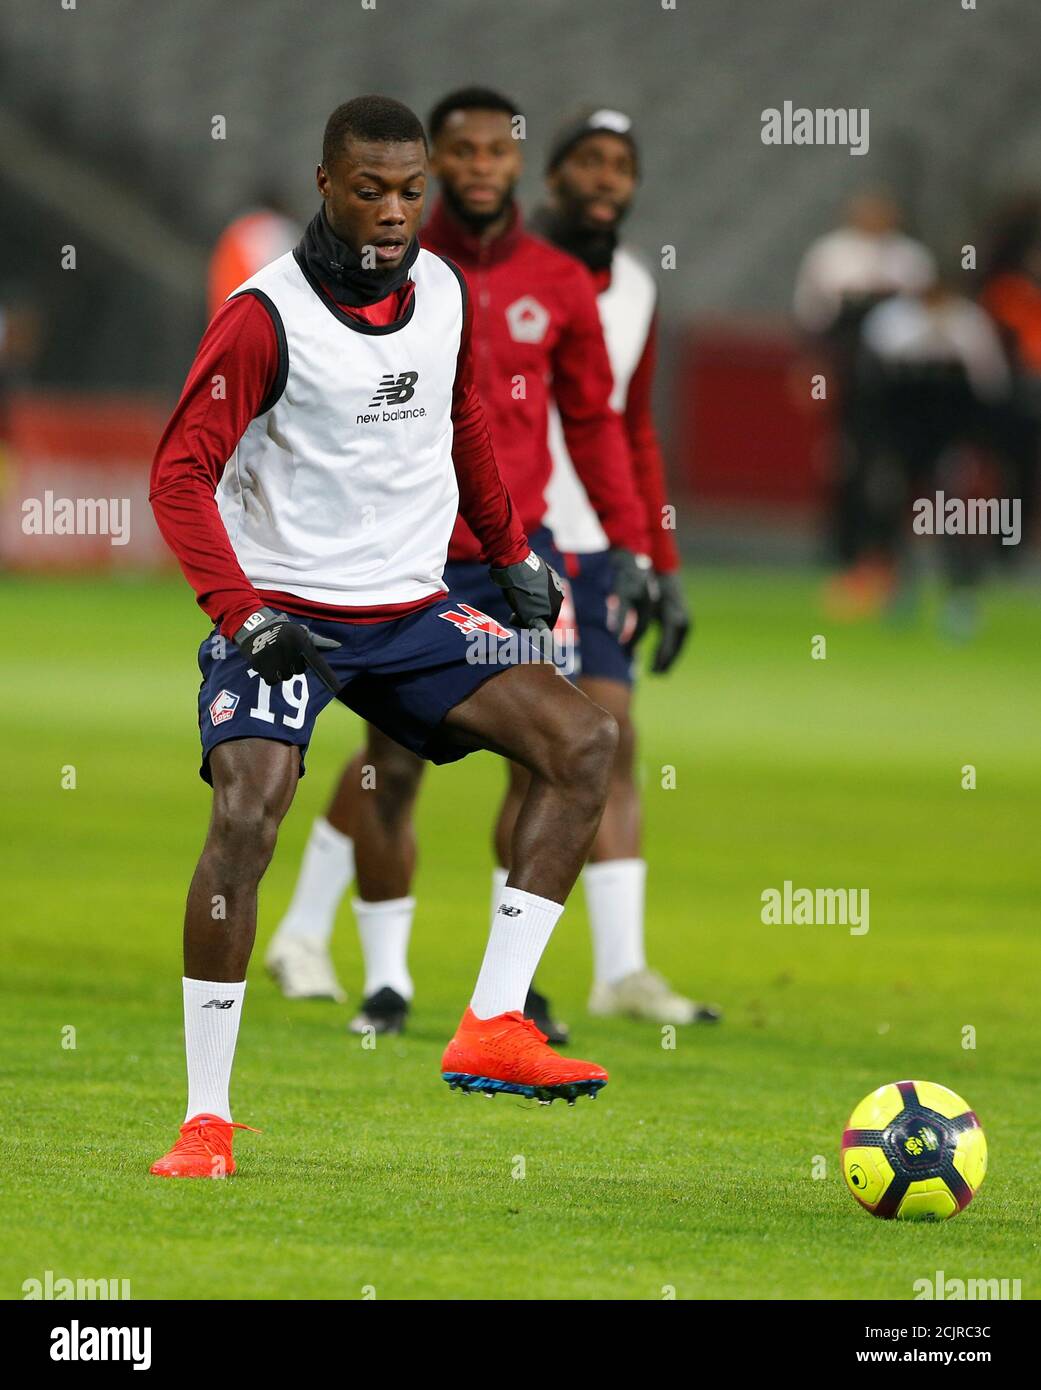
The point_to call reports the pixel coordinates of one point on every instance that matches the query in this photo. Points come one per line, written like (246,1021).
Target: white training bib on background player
(626,312)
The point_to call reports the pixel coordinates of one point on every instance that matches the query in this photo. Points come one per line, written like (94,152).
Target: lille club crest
(527,320)
(223,707)
(473,620)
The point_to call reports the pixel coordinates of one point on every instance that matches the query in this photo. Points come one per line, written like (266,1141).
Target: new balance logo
(509,911)
(264,639)
(218,1004)
(395,390)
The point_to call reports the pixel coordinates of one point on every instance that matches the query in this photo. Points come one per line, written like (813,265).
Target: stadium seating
(739,212)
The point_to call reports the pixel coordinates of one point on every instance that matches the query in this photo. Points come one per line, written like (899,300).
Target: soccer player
(934,375)
(331,408)
(249,242)
(537,337)
(591,178)
(842,276)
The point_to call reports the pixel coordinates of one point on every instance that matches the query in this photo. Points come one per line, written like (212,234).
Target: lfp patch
(473,620)
(223,707)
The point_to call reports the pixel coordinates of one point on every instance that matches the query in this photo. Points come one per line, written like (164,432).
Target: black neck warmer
(338,269)
(593,248)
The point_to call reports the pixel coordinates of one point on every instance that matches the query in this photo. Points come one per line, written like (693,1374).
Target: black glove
(278,647)
(634,595)
(533,590)
(674,620)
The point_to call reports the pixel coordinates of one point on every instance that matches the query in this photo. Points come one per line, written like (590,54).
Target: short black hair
(370,118)
(468,99)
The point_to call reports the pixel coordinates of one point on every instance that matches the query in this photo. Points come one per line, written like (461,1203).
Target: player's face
(877,214)
(597,181)
(374,197)
(478,162)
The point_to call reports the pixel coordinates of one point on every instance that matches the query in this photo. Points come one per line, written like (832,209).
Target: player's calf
(385,842)
(253,785)
(570,758)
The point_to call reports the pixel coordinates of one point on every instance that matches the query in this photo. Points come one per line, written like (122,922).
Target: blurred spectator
(20,340)
(931,374)
(250,241)
(1012,296)
(843,275)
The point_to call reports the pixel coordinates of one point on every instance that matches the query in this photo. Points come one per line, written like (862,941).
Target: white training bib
(626,311)
(343,491)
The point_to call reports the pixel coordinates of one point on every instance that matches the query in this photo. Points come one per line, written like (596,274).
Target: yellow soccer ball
(915,1151)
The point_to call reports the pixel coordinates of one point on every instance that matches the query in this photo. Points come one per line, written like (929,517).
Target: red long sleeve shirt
(645,449)
(233,371)
(537,332)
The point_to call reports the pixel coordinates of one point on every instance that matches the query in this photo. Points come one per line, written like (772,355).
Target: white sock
(384,929)
(325,872)
(522,926)
(499,877)
(614,900)
(211,1026)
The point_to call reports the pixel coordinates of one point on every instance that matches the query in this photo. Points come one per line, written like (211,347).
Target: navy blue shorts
(403,676)
(591,580)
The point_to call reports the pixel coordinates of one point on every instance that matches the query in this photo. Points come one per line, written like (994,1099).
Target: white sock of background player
(615,902)
(325,873)
(383,930)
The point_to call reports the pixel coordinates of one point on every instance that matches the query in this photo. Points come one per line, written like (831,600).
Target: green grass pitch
(692,1172)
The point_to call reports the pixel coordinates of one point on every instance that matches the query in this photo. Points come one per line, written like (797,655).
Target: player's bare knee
(587,753)
(395,783)
(244,826)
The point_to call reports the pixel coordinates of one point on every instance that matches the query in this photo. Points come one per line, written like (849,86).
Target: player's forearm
(488,510)
(186,513)
(645,452)
(649,471)
(484,500)
(600,455)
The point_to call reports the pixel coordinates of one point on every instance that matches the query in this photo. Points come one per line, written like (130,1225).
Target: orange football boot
(508,1053)
(203,1150)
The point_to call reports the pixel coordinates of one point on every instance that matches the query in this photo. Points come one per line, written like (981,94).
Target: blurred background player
(843,275)
(931,376)
(537,334)
(21,332)
(250,241)
(1012,296)
(591,177)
